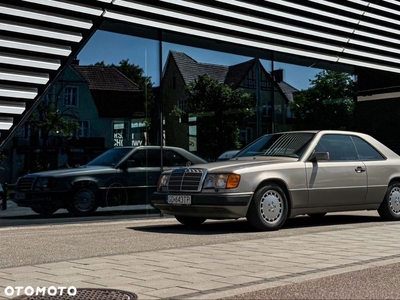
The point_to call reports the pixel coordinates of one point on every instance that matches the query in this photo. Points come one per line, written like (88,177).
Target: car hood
(73,171)
(245,162)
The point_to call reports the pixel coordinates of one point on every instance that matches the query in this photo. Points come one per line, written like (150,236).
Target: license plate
(179,200)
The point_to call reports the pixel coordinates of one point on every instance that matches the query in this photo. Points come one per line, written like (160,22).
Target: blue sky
(112,48)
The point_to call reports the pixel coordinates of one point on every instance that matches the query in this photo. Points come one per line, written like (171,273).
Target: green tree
(51,118)
(220,111)
(327,104)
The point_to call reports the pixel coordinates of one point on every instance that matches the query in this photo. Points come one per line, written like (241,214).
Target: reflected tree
(327,104)
(220,112)
(52,118)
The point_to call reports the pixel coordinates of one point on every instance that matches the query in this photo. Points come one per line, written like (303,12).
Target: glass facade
(245,94)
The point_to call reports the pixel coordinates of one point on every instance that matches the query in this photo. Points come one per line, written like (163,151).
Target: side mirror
(319,156)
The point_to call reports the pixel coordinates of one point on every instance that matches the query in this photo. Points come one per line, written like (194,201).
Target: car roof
(149,147)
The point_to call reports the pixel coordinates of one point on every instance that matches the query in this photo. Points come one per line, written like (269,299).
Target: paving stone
(170,292)
(204,272)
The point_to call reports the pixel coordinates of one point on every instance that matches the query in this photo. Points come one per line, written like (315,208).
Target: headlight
(222,181)
(163,181)
(44,183)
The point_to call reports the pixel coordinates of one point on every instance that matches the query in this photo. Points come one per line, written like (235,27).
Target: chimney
(75,62)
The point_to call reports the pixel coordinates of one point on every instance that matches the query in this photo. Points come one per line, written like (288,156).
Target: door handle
(360,169)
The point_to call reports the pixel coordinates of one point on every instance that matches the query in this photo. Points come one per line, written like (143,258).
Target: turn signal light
(233,181)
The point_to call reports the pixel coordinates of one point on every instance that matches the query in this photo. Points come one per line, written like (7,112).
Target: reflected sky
(113,47)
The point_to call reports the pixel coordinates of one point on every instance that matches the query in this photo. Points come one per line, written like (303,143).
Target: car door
(142,172)
(379,170)
(339,181)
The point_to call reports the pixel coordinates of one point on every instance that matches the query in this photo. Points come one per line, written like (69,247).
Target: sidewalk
(219,270)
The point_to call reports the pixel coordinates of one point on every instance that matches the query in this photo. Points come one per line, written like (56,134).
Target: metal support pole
(273,94)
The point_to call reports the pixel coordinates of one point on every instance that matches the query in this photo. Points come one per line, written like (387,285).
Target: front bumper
(32,199)
(211,206)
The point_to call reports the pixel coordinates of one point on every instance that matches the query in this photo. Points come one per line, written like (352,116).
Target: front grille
(25,184)
(186,180)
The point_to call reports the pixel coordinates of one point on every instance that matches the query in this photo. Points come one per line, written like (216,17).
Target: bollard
(3,195)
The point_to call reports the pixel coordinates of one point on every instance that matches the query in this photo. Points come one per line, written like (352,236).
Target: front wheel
(390,206)
(268,209)
(190,221)
(84,203)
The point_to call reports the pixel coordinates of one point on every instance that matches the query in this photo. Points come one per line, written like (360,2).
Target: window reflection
(153,108)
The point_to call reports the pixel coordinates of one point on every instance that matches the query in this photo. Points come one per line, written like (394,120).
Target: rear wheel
(44,210)
(84,203)
(117,195)
(269,208)
(390,206)
(190,221)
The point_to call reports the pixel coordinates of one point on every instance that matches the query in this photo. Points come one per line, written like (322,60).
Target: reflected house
(270,91)
(110,111)
(120,106)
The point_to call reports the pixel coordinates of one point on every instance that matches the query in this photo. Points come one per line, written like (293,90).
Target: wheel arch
(84,183)
(391,181)
(282,185)
(394,179)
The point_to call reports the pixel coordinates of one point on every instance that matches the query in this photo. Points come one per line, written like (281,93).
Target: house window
(174,82)
(249,81)
(138,132)
(119,133)
(71,95)
(182,104)
(83,130)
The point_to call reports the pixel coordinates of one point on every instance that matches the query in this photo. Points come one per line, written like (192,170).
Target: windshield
(284,144)
(110,158)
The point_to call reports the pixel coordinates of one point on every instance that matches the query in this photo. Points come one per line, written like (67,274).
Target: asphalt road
(17,216)
(27,239)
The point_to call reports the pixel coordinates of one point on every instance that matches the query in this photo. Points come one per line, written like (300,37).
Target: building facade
(271,94)
(108,107)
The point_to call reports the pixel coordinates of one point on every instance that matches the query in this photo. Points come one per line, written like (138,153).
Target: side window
(174,159)
(153,158)
(340,147)
(146,158)
(365,150)
(138,158)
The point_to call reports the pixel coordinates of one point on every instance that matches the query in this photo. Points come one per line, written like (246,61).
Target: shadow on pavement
(241,226)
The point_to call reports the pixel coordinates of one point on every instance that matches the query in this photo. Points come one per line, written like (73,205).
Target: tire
(116,195)
(389,210)
(43,210)
(84,203)
(269,208)
(317,216)
(190,221)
